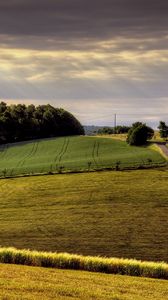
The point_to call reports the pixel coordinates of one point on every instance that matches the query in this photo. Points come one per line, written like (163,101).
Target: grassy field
(21,282)
(74,154)
(114,214)
(123,136)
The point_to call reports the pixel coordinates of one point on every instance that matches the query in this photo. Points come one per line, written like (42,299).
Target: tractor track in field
(59,153)
(62,152)
(30,154)
(95,152)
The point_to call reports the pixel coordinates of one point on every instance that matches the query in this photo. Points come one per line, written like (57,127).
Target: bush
(139,134)
(163,130)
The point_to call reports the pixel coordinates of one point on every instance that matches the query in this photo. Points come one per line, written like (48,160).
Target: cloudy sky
(92,57)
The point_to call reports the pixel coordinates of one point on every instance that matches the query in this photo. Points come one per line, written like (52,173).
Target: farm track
(30,154)
(62,152)
(95,153)
(59,153)
(164,149)
(64,149)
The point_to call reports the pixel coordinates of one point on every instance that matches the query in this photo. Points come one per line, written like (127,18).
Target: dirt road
(163,147)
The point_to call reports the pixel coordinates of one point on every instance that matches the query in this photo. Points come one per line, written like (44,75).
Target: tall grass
(129,267)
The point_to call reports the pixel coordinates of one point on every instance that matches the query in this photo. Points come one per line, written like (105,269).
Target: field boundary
(130,267)
(101,169)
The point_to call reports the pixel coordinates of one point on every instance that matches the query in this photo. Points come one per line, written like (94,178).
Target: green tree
(139,134)
(21,122)
(163,129)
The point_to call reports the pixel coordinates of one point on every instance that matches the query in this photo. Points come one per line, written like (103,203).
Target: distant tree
(139,134)
(110,130)
(122,129)
(21,122)
(163,129)
(106,130)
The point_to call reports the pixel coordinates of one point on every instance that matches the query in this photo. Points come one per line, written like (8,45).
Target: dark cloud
(109,54)
(83,18)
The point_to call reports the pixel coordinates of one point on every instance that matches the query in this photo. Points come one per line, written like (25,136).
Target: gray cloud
(83,19)
(109,54)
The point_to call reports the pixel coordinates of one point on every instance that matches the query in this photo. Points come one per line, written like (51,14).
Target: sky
(94,58)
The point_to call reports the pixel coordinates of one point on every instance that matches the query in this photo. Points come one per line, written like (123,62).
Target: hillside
(21,282)
(79,153)
(117,214)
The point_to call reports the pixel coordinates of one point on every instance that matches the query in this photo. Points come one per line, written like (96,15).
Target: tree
(106,130)
(139,134)
(111,130)
(163,129)
(21,122)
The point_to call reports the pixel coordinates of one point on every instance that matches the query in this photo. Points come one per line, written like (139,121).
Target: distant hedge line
(21,122)
(129,267)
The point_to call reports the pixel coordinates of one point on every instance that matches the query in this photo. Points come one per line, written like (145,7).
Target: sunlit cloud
(53,65)
(94,58)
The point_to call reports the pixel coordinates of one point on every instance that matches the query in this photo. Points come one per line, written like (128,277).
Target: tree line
(138,134)
(114,130)
(20,122)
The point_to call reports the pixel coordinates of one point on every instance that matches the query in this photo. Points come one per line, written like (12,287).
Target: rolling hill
(74,154)
(114,214)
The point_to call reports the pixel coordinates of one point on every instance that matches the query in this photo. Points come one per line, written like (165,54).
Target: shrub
(139,134)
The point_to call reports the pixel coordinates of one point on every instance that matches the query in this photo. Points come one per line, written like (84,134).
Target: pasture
(113,214)
(74,154)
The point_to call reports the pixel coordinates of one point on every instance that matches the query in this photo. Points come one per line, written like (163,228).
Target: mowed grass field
(68,154)
(21,282)
(114,214)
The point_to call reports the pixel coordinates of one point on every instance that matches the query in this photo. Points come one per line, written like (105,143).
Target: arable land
(114,214)
(75,154)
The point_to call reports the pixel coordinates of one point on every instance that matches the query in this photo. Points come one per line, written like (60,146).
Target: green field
(21,282)
(115,214)
(74,154)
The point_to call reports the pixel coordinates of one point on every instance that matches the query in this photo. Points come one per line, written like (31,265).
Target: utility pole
(115,123)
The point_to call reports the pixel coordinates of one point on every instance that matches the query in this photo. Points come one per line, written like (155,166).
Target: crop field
(113,214)
(74,154)
(34,283)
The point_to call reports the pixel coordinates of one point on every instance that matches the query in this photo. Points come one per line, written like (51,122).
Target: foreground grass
(21,282)
(86,263)
(114,214)
(75,154)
